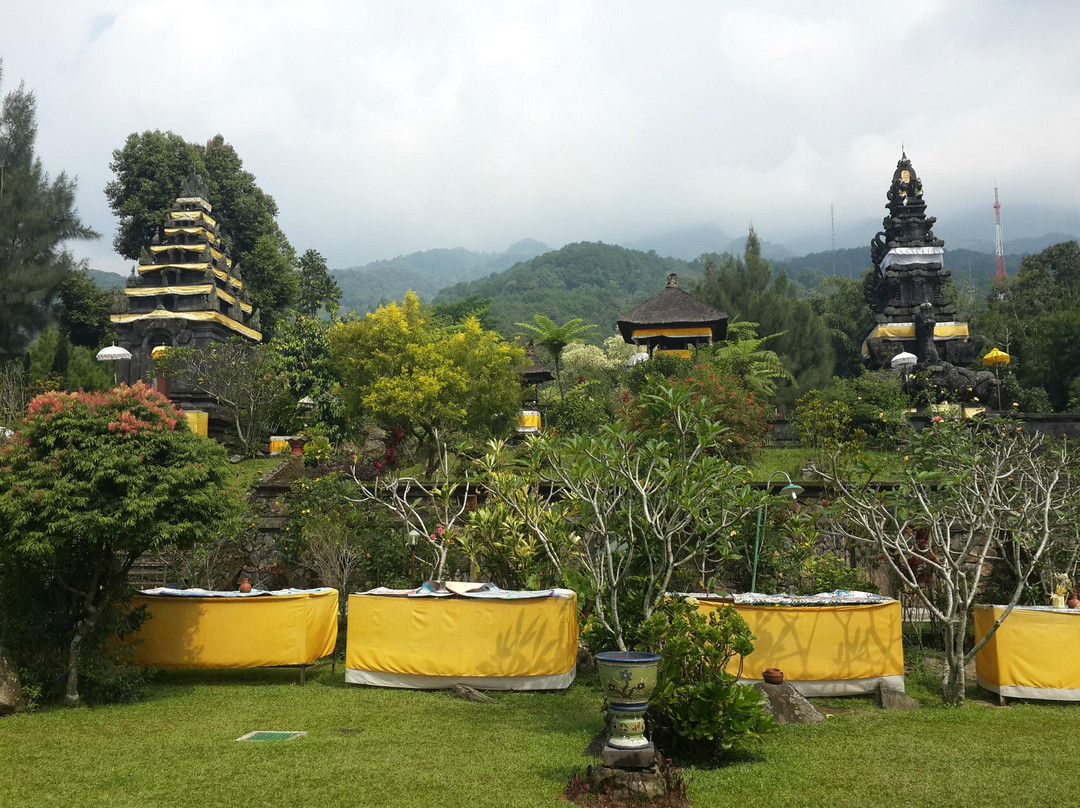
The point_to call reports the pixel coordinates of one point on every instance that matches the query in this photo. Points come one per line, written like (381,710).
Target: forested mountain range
(364,288)
(594,281)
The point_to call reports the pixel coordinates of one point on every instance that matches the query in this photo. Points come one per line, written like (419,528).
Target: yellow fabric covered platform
(237,632)
(825,650)
(1034,654)
(435,642)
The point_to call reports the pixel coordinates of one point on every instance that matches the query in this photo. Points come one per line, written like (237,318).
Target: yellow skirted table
(230,630)
(1034,654)
(827,649)
(490,642)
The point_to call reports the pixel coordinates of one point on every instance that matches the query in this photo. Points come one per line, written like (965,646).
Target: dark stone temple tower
(185,292)
(908,292)
(907,288)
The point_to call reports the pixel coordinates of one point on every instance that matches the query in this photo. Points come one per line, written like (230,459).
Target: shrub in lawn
(699,711)
(88,483)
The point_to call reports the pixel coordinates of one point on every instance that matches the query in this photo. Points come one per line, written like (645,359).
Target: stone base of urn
(643,758)
(627,783)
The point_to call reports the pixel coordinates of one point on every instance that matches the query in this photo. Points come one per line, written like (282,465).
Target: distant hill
(596,282)
(107,280)
(364,288)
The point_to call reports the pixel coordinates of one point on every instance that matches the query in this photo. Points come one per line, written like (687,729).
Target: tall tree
(1033,317)
(149,172)
(37,218)
(317,289)
(840,304)
(746,288)
(84,310)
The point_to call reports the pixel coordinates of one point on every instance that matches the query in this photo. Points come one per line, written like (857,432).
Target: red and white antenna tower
(999,240)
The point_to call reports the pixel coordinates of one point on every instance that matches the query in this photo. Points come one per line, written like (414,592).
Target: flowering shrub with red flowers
(88,483)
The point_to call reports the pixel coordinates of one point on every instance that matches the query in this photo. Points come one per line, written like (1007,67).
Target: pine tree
(37,217)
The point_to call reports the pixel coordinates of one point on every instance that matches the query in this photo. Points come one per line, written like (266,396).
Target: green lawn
(176,748)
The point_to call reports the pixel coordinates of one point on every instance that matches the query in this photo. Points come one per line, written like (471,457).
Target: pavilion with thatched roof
(672,321)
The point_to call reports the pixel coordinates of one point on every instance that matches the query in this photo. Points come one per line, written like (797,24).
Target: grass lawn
(247,472)
(176,748)
(792,460)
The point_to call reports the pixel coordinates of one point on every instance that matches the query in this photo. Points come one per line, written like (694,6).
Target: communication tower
(999,240)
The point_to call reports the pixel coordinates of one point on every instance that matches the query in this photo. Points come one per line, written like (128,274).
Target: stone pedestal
(626,783)
(642,758)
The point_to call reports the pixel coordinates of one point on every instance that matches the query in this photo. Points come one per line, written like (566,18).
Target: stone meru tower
(184,292)
(907,288)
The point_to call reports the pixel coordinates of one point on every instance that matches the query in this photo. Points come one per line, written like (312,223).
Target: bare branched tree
(335,555)
(646,503)
(968,498)
(433,509)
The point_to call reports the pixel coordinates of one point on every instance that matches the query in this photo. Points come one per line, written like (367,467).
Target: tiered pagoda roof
(671,321)
(908,283)
(185,274)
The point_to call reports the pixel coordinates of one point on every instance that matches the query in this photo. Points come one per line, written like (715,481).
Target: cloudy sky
(387,127)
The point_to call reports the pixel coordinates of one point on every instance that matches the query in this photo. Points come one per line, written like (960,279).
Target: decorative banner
(903,256)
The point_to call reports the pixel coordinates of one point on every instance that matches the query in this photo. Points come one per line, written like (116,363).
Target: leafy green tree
(89,483)
(742,356)
(300,354)
(401,369)
(746,289)
(840,304)
(246,211)
(554,338)
(317,289)
(54,363)
(1032,317)
(84,310)
(37,217)
(271,280)
(149,172)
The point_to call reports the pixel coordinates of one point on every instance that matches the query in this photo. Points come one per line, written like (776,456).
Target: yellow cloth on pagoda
(824,649)
(461,638)
(1034,654)
(239,632)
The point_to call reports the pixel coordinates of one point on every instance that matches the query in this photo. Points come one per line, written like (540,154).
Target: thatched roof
(674,308)
(535,371)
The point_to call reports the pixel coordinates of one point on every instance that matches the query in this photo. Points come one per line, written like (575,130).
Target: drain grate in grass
(270,735)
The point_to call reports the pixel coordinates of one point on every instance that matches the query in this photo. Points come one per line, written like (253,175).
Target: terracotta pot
(296,446)
(773,676)
(1073,601)
(245,585)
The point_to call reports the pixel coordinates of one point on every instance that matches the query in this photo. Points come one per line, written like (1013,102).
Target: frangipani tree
(645,503)
(969,496)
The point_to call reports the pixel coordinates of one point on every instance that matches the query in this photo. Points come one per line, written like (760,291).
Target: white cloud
(388,127)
